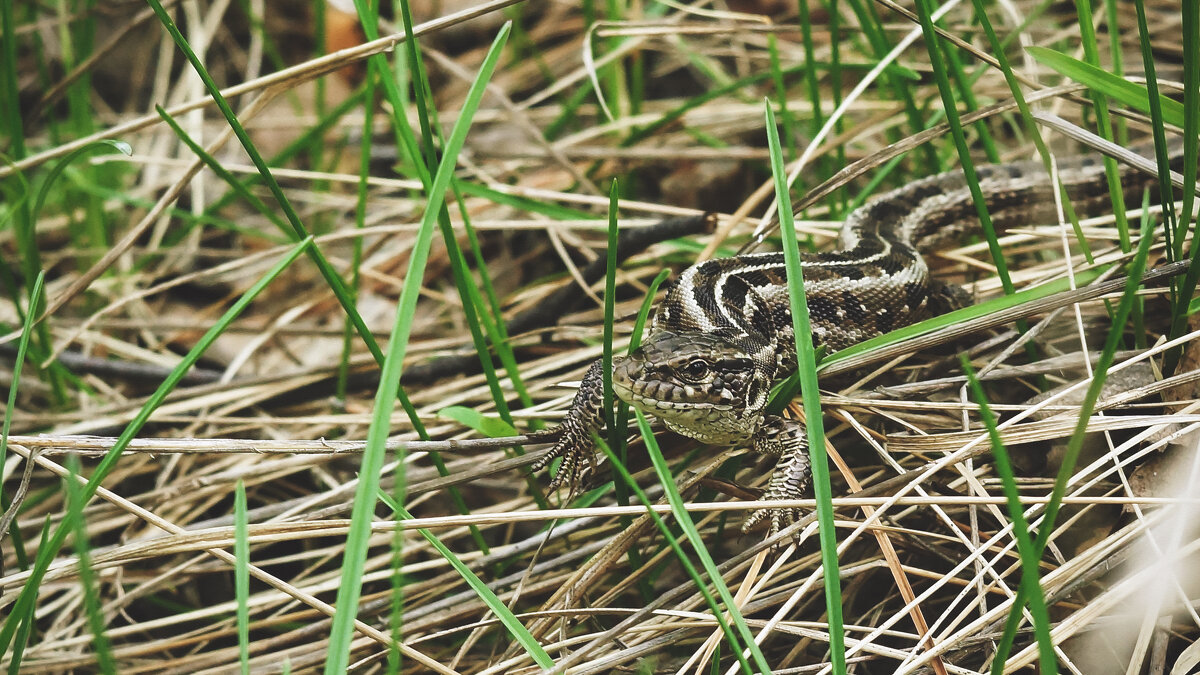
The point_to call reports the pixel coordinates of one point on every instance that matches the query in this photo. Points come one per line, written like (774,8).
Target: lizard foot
(784,439)
(575,447)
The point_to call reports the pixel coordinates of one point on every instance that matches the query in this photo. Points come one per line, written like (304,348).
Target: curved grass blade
(510,622)
(28,596)
(87,577)
(1030,574)
(241,573)
(1131,94)
(355,554)
(739,632)
(36,301)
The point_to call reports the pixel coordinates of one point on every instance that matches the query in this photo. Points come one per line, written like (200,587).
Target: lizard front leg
(575,433)
(785,439)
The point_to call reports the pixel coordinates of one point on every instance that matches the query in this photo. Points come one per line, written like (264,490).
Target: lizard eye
(694,370)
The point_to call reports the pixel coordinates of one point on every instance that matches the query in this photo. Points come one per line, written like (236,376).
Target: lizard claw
(575,448)
(779,519)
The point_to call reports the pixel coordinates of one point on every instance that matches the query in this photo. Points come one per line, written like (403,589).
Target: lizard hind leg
(785,439)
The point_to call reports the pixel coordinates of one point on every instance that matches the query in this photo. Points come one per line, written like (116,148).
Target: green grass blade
(362,192)
(615,411)
(616,436)
(46,553)
(335,283)
(806,364)
(738,634)
(105,144)
(1191,108)
(1030,574)
(1191,132)
(349,590)
(239,188)
(924,11)
(510,622)
(241,573)
(788,389)
(36,301)
(77,523)
(1091,54)
(10,101)
(1075,445)
(1129,93)
(25,622)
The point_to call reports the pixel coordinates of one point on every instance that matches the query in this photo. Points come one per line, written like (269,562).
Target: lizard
(722,335)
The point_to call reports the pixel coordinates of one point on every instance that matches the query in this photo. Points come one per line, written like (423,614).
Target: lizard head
(707,385)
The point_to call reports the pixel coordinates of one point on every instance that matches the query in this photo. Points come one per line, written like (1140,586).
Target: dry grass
(599,589)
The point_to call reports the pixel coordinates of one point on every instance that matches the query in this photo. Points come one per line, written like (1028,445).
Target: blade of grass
(787,390)
(806,364)
(312,135)
(407,59)
(933,45)
(77,523)
(615,409)
(106,144)
(1191,117)
(297,229)
(238,187)
(1091,54)
(26,599)
(738,634)
(357,538)
(468,293)
(475,312)
(25,622)
(241,573)
(1075,445)
(895,76)
(514,626)
(360,220)
(35,301)
(1170,218)
(616,437)
(24,234)
(1030,576)
(1191,133)
(1129,93)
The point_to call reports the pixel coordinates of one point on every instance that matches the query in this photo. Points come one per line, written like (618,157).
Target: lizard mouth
(652,405)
